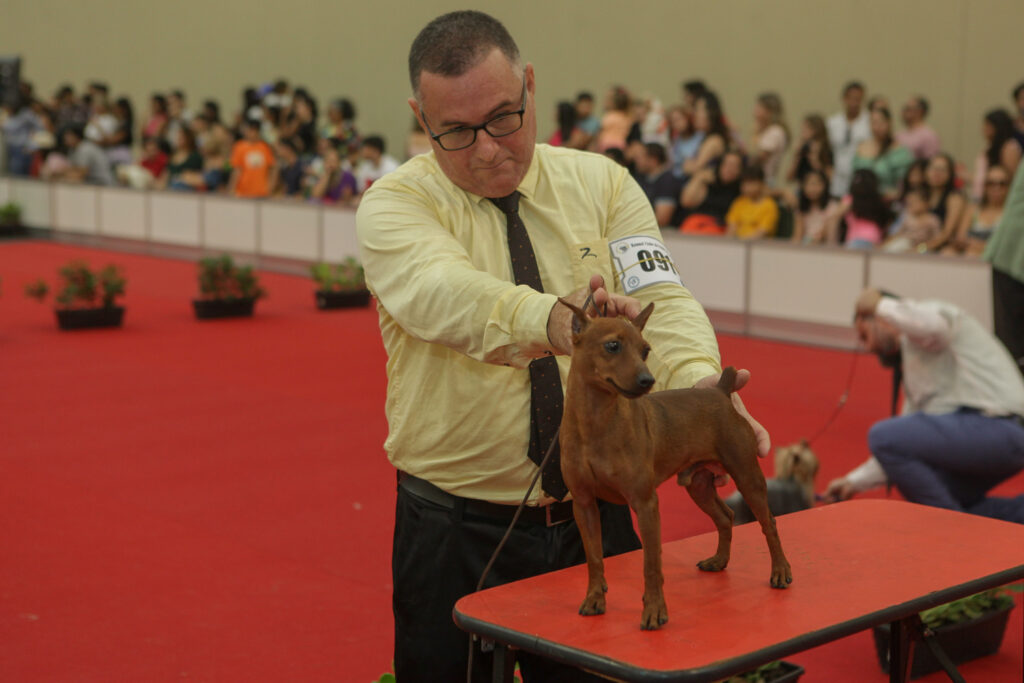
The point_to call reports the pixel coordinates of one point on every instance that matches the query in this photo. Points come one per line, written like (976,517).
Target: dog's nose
(645,381)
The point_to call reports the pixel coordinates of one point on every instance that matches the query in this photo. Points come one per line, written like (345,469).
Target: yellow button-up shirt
(458,331)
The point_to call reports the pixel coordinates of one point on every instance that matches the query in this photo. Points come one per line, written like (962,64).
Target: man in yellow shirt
(461,335)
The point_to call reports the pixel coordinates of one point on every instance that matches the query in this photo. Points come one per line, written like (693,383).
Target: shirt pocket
(593,258)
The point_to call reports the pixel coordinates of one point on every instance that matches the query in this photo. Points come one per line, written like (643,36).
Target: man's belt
(547,515)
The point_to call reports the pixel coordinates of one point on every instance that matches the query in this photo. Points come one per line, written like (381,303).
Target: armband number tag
(642,261)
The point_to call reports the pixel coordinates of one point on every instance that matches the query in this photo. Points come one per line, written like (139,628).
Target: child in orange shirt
(753,214)
(254,171)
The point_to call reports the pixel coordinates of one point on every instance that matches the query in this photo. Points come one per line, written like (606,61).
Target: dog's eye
(612,347)
(645,352)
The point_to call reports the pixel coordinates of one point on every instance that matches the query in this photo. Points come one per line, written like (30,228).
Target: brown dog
(619,444)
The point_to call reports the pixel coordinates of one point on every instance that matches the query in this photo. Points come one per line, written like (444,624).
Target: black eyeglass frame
(436,137)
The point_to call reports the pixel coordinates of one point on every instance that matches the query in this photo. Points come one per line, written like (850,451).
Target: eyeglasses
(464,136)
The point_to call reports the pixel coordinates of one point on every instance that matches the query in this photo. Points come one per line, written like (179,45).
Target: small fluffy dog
(792,487)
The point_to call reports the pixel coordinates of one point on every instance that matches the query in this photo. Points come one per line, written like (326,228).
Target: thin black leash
(842,399)
(515,517)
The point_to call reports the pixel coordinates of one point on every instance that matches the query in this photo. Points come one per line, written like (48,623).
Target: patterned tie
(545,382)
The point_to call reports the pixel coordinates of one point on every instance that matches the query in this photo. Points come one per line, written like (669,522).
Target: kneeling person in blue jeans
(960,432)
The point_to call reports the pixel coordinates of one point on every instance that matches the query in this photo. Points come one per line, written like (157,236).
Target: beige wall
(964,55)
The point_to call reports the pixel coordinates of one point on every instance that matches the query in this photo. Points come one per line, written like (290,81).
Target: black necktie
(545,382)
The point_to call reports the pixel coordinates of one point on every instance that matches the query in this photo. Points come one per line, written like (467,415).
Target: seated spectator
(771,136)
(982,219)
(341,128)
(660,185)
(878,102)
(1003,149)
(617,120)
(299,122)
(567,133)
(67,109)
(880,153)
(918,225)
(846,130)
(814,152)
(649,116)
(812,209)
(253,169)
(335,184)
(709,194)
(944,199)
(586,120)
(119,143)
(684,138)
(102,123)
(290,177)
(865,216)
(20,124)
(214,142)
(184,170)
(151,166)
(373,164)
(87,162)
(754,214)
(918,136)
(178,115)
(156,123)
(708,120)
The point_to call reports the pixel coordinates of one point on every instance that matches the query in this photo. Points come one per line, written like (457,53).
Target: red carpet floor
(210,501)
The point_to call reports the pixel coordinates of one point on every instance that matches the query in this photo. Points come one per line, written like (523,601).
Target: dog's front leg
(649,520)
(588,520)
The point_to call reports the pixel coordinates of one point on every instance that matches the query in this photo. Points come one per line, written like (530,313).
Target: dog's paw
(654,615)
(781,576)
(713,564)
(592,604)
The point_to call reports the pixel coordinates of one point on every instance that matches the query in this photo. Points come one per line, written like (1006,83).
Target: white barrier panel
(290,230)
(174,218)
(339,234)
(968,284)
(712,268)
(34,198)
(122,213)
(815,285)
(75,208)
(230,224)
(5,191)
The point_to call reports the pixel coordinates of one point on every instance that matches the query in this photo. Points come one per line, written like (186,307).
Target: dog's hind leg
(588,520)
(702,489)
(649,520)
(751,485)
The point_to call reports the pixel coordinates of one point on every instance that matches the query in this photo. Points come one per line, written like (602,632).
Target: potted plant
(86,298)
(965,629)
(772,672)
(340,286)
(10,220)
(226,289)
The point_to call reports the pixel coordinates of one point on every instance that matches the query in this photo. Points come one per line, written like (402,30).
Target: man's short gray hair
(453,43)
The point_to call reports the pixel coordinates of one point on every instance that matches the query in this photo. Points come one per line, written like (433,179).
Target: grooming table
(855,565)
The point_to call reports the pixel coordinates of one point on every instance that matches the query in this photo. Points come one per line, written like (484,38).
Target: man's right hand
(839,489)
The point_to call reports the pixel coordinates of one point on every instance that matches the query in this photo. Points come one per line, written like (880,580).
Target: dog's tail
(727,382)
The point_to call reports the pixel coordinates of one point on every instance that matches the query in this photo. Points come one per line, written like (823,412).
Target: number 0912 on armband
(641,262)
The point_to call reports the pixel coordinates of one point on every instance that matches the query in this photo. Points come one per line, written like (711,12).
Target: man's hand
(867,302)
(839,489)
(764,441)
(608,303)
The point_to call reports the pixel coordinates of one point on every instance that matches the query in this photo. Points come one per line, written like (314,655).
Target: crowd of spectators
(853,178)
(275,145)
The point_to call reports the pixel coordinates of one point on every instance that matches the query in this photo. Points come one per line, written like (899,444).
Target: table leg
(901,649)
(504,664)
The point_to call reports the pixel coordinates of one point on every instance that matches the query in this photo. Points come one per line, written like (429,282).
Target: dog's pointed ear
(641,319)
(579,318)
(803,442)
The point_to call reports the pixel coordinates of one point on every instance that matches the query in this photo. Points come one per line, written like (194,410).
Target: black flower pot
(85,318)
(326,299)
(12,229)
(207,309)
(962,642)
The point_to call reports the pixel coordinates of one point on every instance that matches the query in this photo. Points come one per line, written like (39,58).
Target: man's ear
(415,106)
(641,319)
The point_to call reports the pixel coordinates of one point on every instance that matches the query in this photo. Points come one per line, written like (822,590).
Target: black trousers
(438,557)
(1008,312)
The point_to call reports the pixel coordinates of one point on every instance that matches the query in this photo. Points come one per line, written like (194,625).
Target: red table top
(855,565)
